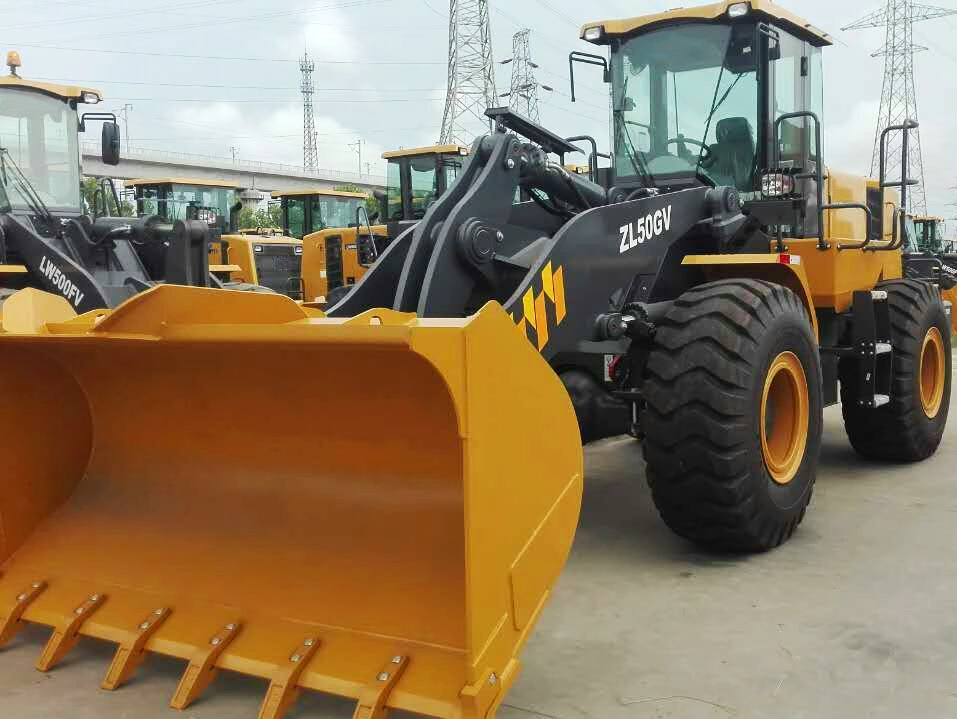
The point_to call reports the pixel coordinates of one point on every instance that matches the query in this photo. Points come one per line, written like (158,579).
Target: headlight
(739,9)
(257,248)
(298,249)
(777,184)
(593,34)
(90,98)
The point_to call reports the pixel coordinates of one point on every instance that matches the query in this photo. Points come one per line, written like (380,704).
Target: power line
(234,20)
(244,87)
(267,100)
(233,58)
(558,13)
(125,13)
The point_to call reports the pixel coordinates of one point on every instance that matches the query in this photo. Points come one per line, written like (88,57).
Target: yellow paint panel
(528,307)
(541,321)
(547,287)
(559,282)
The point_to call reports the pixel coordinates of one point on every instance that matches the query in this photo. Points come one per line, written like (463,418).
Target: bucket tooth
(132,651)
(202,667)
(67,633)
(283,691)
(372,700)
(11,624)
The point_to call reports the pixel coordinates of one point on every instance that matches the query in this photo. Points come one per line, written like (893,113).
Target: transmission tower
(523,94)
(899,96)
(471,88)
(310,151)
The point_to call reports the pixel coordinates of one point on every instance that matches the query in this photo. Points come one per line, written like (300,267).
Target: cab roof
(764,9)
(321,191)
(433,150)
(64,92)
(183,181)
(927,218)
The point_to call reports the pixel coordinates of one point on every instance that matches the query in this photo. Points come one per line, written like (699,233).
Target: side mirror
(110,143)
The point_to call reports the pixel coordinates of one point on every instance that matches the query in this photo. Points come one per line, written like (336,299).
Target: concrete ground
(855,617)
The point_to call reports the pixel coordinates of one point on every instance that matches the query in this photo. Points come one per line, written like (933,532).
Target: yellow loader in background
(335,258)
(247,259)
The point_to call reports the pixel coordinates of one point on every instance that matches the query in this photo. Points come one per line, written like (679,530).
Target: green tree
(250,219)
(95,195)
(372,204)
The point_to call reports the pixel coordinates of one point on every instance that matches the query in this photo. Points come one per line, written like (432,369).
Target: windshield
(296,216)
(394,190)
(686,104)
(187,202)
(929,234)
(911,237)
(330,211)
(425,184)
(39,133)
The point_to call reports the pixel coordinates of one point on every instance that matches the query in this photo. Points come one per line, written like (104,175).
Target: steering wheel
(681,140)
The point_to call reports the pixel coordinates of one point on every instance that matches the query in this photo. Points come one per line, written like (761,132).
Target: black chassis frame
(474,245)
(96,264)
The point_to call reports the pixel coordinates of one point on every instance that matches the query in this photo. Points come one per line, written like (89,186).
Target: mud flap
(376,507)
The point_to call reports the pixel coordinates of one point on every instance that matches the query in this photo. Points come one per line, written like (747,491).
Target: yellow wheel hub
(933,372)
(784,417)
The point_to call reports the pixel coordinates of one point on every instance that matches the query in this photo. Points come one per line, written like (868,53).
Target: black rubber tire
(335,295)
(900,431)
(703,389)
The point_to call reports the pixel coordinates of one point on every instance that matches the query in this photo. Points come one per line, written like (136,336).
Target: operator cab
(928,234)
(694,102)
(308,211)
(185,199)
(417,177)
(39,139)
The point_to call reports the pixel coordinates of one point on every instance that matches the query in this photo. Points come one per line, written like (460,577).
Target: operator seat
(732,156)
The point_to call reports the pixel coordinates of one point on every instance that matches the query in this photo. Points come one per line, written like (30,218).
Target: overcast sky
(381,73)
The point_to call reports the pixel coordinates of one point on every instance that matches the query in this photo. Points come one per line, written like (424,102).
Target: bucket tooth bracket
(282,691)
(67,633)
(202,667)
(11,624)
(372,700)
(132,651)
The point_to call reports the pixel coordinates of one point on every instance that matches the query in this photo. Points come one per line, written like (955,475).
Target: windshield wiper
(25,189)
(637,161)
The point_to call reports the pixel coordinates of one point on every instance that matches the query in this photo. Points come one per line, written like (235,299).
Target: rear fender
(781,268)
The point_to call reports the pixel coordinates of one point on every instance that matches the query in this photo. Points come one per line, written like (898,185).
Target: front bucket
(375,507)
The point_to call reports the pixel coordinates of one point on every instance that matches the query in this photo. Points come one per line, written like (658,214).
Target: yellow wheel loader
(239,259)
(307,214)
(336,257)
(927,254)
(307,211)
(724,289)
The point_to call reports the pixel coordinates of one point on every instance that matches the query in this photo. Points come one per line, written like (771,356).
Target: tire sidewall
(934,316)
(788,332)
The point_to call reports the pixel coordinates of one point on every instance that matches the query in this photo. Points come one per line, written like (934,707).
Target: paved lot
(855,617)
